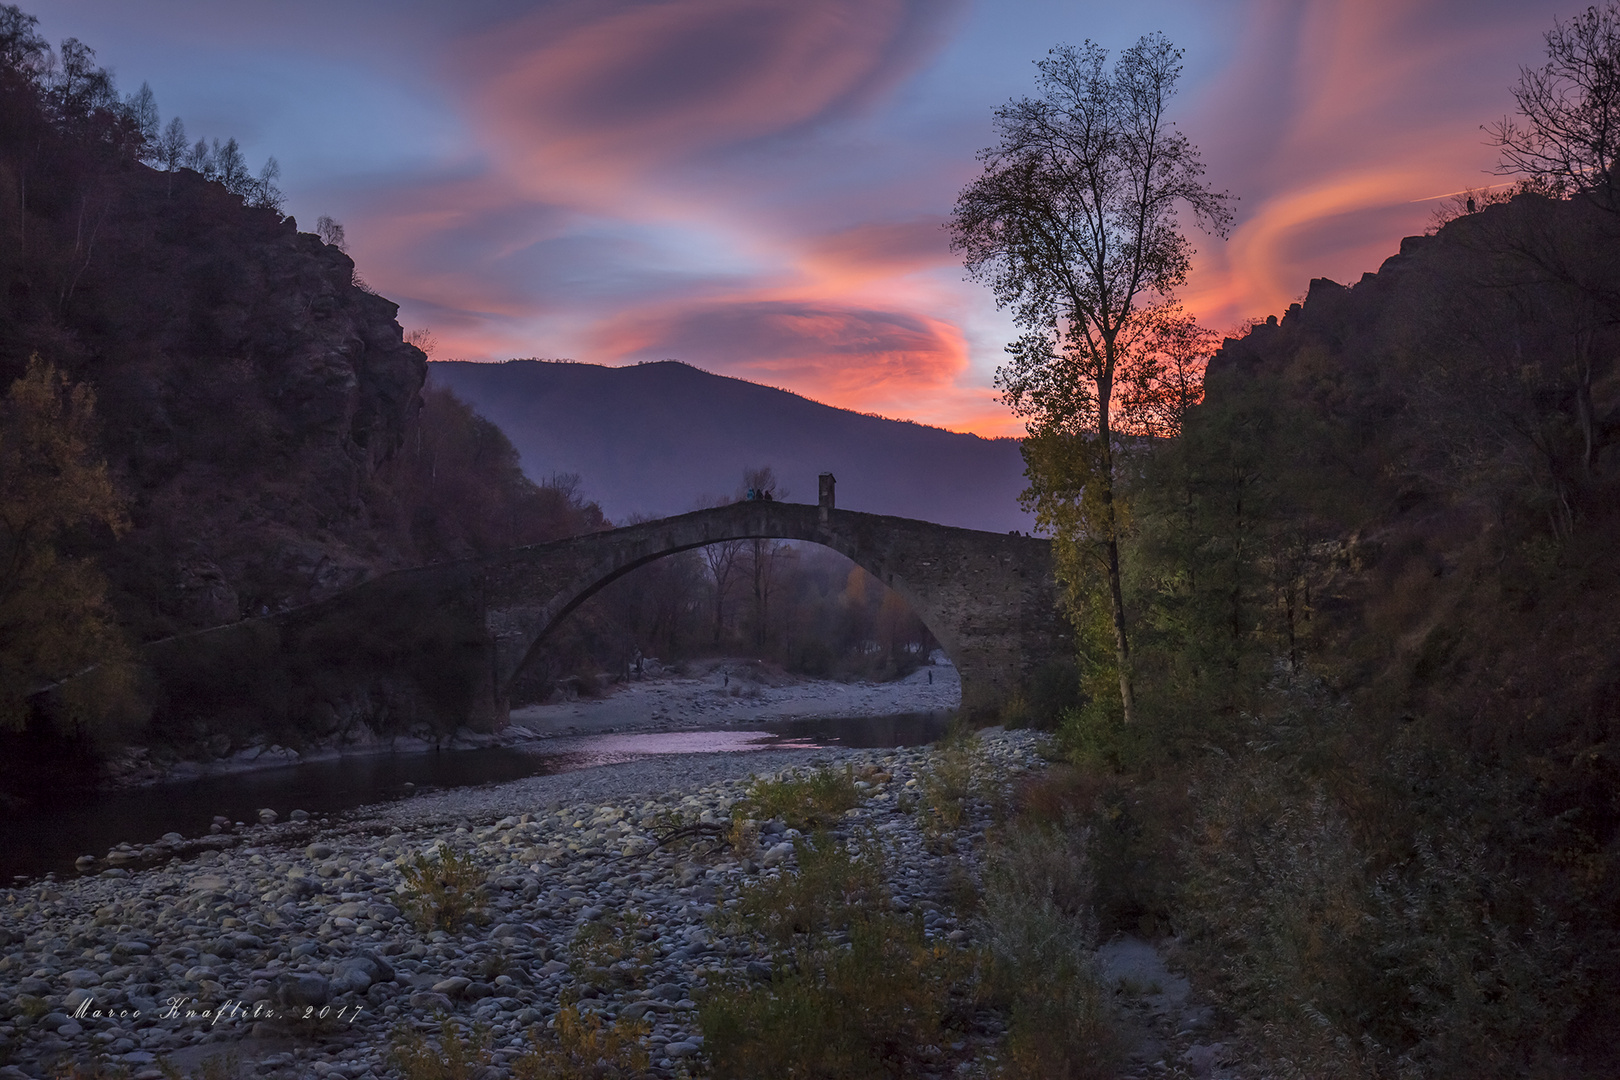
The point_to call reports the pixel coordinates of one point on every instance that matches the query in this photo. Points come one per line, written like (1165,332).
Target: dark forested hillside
(1436,450)
(204,413)
(257,405)
(1374,786)
(247,389)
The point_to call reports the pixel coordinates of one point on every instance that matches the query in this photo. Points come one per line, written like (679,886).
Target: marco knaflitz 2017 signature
(183,1008)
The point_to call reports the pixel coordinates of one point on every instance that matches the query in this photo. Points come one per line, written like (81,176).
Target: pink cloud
(878,250)
(1336,118)
(589,96)
(895,362)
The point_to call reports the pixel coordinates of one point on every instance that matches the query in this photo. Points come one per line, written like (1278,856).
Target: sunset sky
(758,187)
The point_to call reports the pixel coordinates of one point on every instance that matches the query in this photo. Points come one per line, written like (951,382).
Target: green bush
(834,886)
(1471,974)
(1439,964)
(445,892)
(803,802)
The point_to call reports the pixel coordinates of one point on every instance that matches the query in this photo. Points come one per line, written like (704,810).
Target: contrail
(1464,191)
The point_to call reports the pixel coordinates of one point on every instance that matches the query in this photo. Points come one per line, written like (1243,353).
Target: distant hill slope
(658,438)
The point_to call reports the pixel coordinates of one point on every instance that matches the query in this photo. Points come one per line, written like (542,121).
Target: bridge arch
(619,560)
(989,599)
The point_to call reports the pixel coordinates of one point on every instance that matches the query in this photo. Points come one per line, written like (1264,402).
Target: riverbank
(308,916)
(716,693)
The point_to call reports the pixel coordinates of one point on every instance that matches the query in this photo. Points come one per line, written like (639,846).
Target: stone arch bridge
(437,647)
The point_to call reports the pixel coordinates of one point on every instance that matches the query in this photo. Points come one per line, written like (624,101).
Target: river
(49,840)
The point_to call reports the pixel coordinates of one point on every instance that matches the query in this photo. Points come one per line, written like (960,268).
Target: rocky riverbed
(285,945)
(731,692)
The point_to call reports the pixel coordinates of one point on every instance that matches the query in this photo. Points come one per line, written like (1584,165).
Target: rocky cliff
(249,391)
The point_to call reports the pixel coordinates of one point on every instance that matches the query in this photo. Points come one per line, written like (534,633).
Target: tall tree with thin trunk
(1075,223)
(761,483)
(722,560)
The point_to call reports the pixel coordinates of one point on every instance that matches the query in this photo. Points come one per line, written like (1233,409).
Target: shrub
(803,802)
(1016,712)
(1060,1032)
(947,782)
(1054,688)
(609,953)
(1438,965)
(859,991)
(585,1048)
(1036,924)
(456,1057)
(443,892)
(878,1007)
(834,886)
(1466,981)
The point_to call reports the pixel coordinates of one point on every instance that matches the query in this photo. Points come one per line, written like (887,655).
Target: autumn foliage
(54,619)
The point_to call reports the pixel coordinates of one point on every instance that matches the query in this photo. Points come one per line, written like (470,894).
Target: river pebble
(287,943)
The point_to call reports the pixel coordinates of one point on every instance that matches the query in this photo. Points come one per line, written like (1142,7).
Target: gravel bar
(240,941)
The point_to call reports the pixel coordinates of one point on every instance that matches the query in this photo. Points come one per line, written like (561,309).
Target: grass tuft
(609,952)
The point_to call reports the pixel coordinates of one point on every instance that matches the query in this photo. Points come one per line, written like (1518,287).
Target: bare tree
(231,167)
(262,190)
(1569,138)
(423,338)
(22,50)
(760,483)
(171,145)
(143,110)
(722,560)
(199,159)
(331,232)
(1074,225)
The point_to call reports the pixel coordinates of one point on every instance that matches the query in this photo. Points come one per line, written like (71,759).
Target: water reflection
(51,839)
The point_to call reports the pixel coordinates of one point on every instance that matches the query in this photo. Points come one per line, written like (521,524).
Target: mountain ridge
(664,437)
